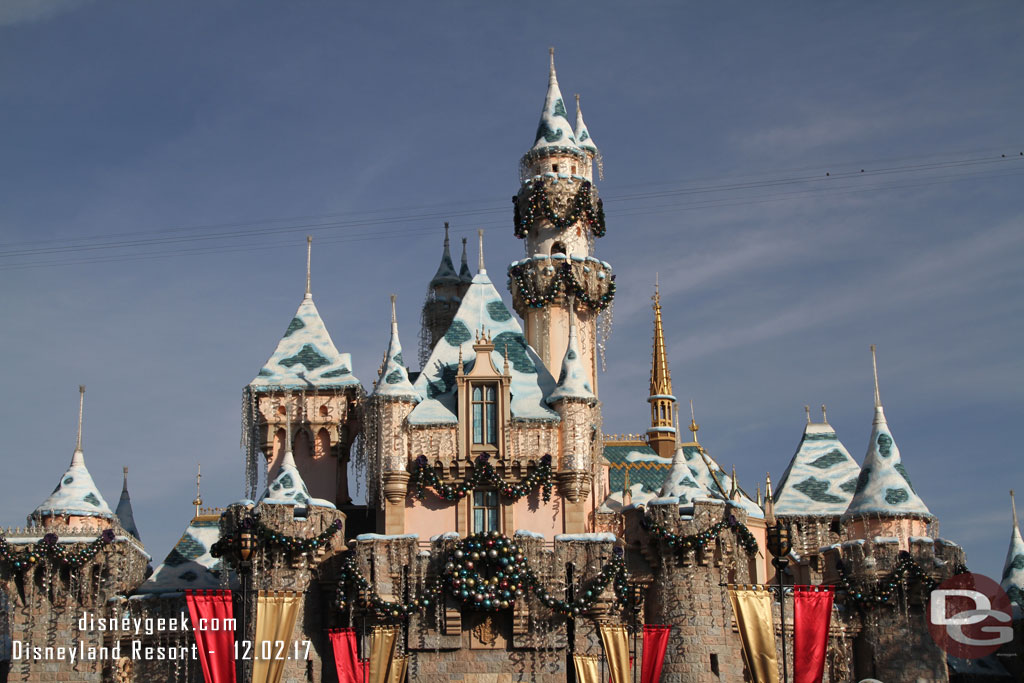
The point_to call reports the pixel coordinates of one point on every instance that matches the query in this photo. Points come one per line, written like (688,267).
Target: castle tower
(558,214)
(76,502)
(884,502)
(662,433)
(306,378)
(1013,569)
(392,400)
(124,512)
(444,293)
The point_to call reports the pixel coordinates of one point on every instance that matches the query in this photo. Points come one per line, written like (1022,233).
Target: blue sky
(229,130)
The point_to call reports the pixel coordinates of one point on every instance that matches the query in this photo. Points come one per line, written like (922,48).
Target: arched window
(557,248)
(278,443)
(485,415)
(322,444)
(301,446)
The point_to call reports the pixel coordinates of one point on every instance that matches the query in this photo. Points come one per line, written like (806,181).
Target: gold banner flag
(586,669)
(616,651)
(276,612)
(754,618)
(397,672)
(382,647)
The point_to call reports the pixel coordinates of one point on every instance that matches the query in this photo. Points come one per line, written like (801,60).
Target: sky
(806,179)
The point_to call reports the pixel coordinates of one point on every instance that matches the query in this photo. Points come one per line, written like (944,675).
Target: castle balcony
(543,280)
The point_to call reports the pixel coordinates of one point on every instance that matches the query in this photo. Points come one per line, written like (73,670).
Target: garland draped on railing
(562,280)
(259,534)
(683,544)
(483,474)
(538,205)
(485,572)
(47,547)
(867,596)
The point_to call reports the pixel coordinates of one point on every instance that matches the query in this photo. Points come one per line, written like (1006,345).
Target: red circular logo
(969,616)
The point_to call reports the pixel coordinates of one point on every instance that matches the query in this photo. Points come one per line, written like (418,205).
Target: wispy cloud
(25,11)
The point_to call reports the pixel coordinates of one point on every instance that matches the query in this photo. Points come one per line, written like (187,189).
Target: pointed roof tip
(309,259)
(445,274)
(583,137)
(1013,506)
(81,410)
(824,414)
(874,367)
(807,409)
(124,512)
(480,263)
(572,380)
(554,130)
(551,56)
(124,485)
(394,317)
(393,377)
(465,275)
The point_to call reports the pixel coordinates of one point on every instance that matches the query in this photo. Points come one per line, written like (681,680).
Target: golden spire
(661,378)
(694,427)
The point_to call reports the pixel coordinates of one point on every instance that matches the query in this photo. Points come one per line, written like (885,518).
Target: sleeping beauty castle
(471,521)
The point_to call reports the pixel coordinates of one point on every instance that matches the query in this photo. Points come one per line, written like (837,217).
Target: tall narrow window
(485,511)
(485,415)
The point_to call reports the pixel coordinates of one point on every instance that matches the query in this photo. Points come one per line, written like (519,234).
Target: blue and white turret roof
(76,494)
(883,486)
(821,477)
(573,381)
(583,139)
(683,480)
(124,512)
(482,307)
(288,487)
(554,131)
(445,274)
(393,382)
(306,357)
(190,565)
(1013,569)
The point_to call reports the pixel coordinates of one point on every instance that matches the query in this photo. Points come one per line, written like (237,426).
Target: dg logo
(969,616)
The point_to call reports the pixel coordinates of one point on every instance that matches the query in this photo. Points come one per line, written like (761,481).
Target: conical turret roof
(465,274)
(445,274)
(288,487)
(573,381)
(124,512)
(683,481)
(883,485)
(821,477)
(76,494)
(393,382)
(583,139)
(1013,568)
(190,565)
(554,130)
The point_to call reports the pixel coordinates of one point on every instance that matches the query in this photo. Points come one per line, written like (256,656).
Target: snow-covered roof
(821,477)
(573,381)
(682,480)
(76,494)
(883,485)
(393,382)
(124,510)
(709,477)
(583,139)
(306,358)
(190,565)
(288,487)
(482,307)
(554,131)
(1013,568)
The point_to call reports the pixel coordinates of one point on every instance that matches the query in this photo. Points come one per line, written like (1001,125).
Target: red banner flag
(812,612)
(213,623)
(346,658)
(655,644)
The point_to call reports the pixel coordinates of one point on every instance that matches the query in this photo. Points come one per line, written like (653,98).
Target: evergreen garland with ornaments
(680,545)
(262,535)
(483,474)
(538,206)
(907,571)
(48,548)
(485,572)
(563,281)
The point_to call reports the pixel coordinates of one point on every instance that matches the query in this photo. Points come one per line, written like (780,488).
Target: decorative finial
(693,422)
(464,240)
(199,498)
(81,407)
(460,360)
(480,264)
(657,293)
(759,502)
(807,409)
(769,501)
(577,104)
(309,258)
(551,56)
(446,241)
(394,317)
(734,487)
(824,414)
(1013,504)
(675,422)
(288,429)
(874,366)
(505,369)
(124,485)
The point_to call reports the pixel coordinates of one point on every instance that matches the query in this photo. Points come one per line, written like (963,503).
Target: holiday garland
(47,547)
(538,205)
(261,534)
(485,572)
(483,474)
(867,596)
(563,281)
(681,545)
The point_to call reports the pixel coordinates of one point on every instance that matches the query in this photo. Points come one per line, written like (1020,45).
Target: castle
(493,453)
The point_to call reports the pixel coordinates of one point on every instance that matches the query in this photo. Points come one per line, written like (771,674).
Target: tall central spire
(662,433)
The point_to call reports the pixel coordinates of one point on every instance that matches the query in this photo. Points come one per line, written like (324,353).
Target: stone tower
(444,293)
(661,435)
(558,215)
(307,396)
